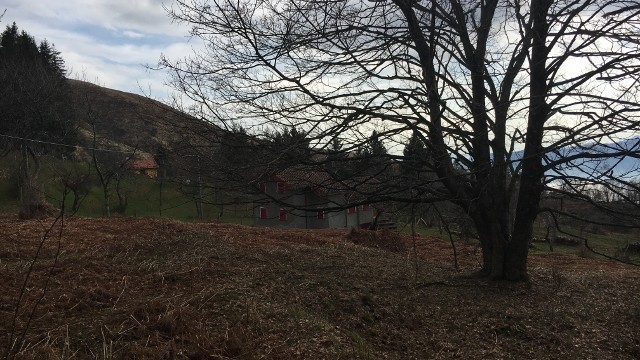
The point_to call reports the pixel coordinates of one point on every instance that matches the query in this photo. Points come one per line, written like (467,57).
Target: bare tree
(111,164)
(75,180)
(109,158)
(508,96)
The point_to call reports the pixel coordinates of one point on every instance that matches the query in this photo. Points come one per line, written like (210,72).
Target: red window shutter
(263,213)
(365,207)
(321,215)
(263,187)
(281,187)
(351,210)
(283,214)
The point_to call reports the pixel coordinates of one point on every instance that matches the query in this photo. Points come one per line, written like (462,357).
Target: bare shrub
(380,239)
(41,210)
(584,252)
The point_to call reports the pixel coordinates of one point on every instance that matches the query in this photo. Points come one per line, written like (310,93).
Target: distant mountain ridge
(627,165)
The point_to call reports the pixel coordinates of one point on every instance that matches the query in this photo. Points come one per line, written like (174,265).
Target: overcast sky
(107,42)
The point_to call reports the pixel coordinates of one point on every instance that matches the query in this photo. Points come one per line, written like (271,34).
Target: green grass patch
(145,197)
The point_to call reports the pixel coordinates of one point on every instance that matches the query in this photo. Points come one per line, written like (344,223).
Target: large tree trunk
(504,256)
(501,259)
(504,251)
(518,251)
(531,186)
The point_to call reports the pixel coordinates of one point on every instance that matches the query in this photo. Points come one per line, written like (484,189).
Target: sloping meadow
(124,288)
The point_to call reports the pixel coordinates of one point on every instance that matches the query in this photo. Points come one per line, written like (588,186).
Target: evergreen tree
(237,153)
(8,41)
(51,59)
(375,148)
(290,147)
(34,96)
(337,162)
(416,160)
(34,106)
(372,159)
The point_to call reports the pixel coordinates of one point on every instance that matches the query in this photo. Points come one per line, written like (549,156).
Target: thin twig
(453,244)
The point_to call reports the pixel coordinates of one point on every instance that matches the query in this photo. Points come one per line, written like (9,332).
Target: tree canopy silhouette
(510,98)
(35,110)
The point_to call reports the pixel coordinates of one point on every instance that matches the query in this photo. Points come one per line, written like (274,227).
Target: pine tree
(416,159)
(8,41)
(34,96)
(51,59)
(290,147)
(34,106)
(372,159)
(375,147)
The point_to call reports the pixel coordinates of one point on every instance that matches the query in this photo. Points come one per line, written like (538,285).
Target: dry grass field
(140,288)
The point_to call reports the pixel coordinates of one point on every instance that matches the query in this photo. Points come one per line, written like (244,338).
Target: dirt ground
(140,288)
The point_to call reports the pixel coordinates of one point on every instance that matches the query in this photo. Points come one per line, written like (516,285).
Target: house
(300,197)
(147,167)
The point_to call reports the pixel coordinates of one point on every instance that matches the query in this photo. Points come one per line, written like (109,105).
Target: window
(263,187)
(365,207)
(321,215)
(264,213)
(283,214)
(351,210)
(281,187)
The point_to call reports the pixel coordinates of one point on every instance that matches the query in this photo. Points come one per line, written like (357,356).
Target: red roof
(301,177)
(143,164)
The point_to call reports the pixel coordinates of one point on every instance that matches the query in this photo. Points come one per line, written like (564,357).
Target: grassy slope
(149,288)
(143,195)
(142,192)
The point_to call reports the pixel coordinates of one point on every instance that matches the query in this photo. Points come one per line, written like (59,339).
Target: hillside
(132,120)
(124,288)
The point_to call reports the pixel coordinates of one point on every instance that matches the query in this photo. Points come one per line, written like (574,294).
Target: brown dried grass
(153,288)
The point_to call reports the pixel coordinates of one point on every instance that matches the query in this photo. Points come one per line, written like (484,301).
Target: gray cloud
(105,41)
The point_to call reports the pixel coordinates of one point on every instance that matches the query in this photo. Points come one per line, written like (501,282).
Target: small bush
(584,252)
(632,247)
(380,239)
(41,210)
(622,255)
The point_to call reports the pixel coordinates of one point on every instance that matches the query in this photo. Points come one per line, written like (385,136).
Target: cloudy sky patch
(106,42)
